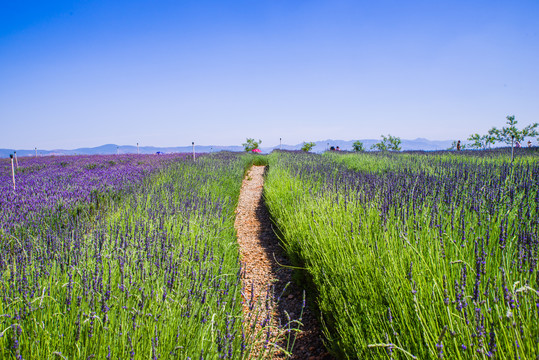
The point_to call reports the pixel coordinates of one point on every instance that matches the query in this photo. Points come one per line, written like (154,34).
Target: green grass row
(157,276)
(414,256)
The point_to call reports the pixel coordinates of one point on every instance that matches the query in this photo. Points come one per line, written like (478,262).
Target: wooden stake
(137,150)
(36,151)
(193,150)
(12,171)
(16,161)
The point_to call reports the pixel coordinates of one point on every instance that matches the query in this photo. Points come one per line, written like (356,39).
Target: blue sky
(165,73)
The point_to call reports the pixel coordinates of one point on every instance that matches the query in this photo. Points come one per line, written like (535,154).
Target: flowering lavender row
(155,276)
(426,256)
(54,184)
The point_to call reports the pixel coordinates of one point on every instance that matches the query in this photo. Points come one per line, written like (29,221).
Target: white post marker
(280,144)
(137,150)
(193,150)
(16,161)
(36,152)
(12,171)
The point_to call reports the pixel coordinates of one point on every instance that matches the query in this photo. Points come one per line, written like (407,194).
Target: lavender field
(408,255)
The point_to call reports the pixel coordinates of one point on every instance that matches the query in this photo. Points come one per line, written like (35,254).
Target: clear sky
(165,73)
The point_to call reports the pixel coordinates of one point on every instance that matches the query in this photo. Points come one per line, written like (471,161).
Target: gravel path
(270,295)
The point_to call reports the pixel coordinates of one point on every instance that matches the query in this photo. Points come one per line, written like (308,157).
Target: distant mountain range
(321,146)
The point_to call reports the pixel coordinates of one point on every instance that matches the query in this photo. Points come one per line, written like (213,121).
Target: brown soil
(273,303)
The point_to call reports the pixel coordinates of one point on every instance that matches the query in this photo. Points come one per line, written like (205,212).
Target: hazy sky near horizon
(165,73)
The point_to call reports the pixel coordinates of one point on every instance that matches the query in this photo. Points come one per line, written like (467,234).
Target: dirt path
(270,294)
